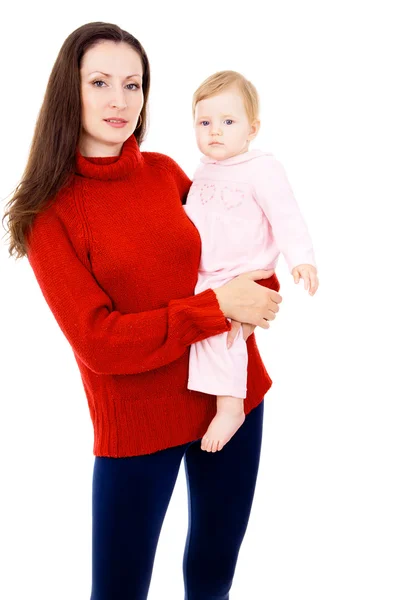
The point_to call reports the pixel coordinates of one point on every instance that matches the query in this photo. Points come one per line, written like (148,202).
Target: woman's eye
(100,81)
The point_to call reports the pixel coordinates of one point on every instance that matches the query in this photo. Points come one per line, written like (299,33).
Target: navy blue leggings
(130,499)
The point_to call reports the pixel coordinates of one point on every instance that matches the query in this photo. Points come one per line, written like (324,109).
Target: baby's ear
(254,129)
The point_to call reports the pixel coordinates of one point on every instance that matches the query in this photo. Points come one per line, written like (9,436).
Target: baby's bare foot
(230,416)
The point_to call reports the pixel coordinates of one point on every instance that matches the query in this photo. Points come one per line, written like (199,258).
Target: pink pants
(213,368)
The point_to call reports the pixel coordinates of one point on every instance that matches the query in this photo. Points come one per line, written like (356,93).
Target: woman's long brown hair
(51,160)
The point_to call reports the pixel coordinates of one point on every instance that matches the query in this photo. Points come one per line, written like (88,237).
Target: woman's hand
(243,300)
(247,330)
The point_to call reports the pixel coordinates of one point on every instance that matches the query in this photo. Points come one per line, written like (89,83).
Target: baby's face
(221,125)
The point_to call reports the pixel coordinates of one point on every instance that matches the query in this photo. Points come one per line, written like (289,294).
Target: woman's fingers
(275,297)
(243,300)
(272,310)
(247,330)
(259,274)
(233,332)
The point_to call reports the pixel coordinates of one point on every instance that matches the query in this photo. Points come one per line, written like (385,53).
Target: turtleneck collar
(110,167)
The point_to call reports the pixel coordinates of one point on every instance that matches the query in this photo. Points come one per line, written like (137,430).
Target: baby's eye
(229,121)
(204,123)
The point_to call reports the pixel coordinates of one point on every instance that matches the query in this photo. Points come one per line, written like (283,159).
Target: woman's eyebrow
(108,75)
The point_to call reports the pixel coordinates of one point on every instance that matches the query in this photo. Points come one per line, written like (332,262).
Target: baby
(245,211)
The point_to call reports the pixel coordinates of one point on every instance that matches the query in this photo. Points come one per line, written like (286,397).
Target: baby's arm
(275,196)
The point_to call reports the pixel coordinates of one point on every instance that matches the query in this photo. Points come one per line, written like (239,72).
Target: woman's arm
(105,340)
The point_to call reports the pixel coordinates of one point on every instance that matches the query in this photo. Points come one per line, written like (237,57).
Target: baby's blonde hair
(222,80)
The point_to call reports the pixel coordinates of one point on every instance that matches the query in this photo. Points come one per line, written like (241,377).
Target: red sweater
(117,260)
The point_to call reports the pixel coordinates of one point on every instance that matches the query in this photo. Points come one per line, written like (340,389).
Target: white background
(324,522)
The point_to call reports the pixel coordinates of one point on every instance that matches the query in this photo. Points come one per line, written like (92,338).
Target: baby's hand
(309,274)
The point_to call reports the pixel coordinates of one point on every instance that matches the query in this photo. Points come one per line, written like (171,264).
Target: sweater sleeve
(179,177)
(274,194)
(105,340)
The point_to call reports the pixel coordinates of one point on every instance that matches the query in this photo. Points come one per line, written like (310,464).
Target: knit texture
(117,259)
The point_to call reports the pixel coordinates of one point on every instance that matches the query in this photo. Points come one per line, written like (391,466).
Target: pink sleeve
(273,193)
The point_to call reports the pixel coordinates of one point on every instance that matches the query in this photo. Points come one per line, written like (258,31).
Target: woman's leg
(220,493)
(130,499)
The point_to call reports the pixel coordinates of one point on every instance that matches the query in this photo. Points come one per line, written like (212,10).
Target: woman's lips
(116,124)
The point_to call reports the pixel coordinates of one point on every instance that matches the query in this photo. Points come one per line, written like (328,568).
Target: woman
(116,258)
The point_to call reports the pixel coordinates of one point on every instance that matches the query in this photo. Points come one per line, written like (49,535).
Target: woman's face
(111,88)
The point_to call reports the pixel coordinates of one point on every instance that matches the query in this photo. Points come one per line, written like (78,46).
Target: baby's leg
(230,416)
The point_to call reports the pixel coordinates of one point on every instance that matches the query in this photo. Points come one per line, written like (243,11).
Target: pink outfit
(246,214)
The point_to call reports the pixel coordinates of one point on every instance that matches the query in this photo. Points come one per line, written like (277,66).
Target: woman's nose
(118,99)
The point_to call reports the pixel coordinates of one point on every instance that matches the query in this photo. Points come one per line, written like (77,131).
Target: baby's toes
(214,445)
